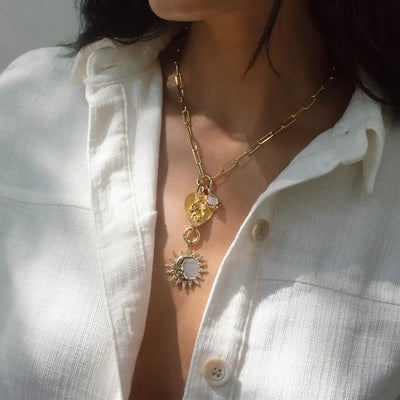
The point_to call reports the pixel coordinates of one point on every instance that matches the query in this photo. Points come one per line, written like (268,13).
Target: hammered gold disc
(197,209)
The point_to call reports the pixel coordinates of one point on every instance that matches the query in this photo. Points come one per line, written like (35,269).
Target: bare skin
(228,114)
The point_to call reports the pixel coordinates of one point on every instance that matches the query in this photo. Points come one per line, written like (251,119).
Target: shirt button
(216,372)
(260,231)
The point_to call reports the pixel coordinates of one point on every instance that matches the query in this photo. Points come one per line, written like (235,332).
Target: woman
(284,279)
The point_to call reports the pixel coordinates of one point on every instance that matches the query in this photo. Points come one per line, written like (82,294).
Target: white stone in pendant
(191,268)
(213,201)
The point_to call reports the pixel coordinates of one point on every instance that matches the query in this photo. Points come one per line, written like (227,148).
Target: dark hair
(357,33)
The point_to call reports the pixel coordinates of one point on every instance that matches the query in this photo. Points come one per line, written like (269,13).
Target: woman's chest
(175,313)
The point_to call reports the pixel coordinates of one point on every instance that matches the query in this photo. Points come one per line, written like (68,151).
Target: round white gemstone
(191,268)
(212,200)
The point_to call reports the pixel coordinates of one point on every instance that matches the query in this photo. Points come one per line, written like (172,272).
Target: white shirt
(310,310)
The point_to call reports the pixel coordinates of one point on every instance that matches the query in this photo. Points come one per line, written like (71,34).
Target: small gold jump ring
(207,178)
(191,229)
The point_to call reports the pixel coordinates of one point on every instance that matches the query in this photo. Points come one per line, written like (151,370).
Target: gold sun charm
(186,268)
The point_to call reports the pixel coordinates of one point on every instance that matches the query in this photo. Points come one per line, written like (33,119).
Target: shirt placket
(119,237)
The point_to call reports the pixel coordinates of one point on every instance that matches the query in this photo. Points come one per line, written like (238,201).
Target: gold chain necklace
(187,267)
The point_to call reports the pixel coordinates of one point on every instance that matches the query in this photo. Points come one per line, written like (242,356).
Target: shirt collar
(106,61)
(359,135)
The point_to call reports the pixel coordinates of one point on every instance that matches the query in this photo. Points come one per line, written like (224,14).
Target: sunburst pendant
(186,269)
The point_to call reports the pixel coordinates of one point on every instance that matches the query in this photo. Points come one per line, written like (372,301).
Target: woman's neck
(217,52)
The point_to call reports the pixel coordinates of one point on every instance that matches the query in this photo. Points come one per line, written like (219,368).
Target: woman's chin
(192,10)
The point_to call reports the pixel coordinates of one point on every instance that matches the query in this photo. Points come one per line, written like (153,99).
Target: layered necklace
(186,267)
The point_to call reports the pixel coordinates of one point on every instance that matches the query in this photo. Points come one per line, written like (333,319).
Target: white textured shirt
(307,310)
